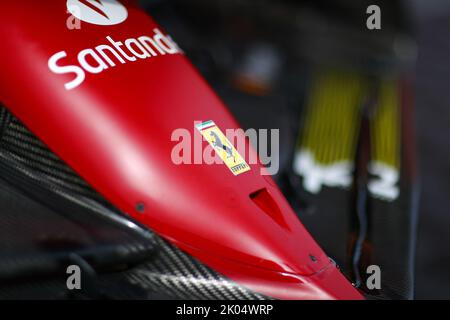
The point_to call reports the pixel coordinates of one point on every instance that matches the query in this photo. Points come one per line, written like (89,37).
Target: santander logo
(110,54)
(100,12)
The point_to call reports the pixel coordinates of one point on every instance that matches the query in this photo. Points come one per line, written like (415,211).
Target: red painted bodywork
(115,131)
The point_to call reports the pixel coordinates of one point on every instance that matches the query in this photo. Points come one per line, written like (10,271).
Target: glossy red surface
(115,130)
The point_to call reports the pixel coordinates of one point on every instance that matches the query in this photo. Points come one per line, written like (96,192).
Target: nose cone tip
(328,284)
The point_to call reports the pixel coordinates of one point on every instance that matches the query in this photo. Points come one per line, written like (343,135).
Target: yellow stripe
(385,126)
(332,119)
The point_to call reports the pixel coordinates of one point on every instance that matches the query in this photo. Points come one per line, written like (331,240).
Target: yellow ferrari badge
(226,151)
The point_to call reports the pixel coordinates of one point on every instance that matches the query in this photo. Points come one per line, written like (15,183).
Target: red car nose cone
(107,99)
(326,284)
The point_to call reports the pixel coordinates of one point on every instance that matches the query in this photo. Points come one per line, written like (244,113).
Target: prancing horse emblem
(217,143)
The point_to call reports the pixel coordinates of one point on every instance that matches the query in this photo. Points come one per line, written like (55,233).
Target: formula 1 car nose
(114,102)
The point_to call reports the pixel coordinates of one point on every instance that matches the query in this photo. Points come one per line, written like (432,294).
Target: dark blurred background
(432,122)
(263,58)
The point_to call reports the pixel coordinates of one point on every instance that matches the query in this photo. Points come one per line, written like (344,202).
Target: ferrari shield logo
(226,151)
